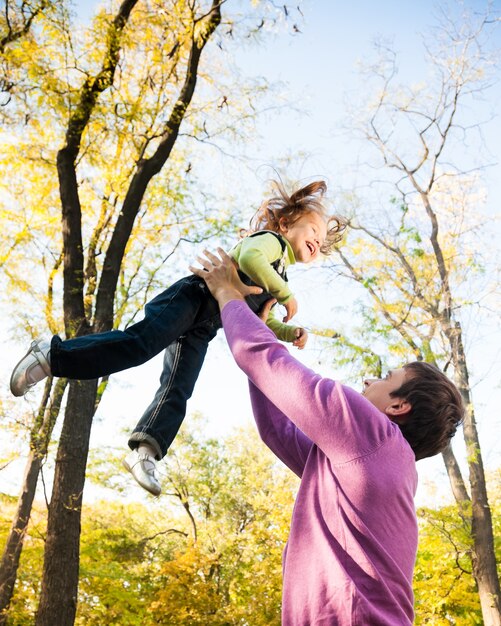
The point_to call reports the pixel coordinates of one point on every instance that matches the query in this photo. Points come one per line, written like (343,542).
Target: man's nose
(368,382)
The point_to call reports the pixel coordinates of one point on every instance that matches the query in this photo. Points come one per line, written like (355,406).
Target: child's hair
(437,409)
(307,199)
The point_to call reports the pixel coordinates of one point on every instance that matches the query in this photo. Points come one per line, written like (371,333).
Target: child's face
(306,235)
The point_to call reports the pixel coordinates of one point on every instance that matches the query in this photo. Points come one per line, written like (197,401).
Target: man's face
(377,391)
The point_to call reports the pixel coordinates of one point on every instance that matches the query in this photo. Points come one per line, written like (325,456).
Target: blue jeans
(182,320)
(183,360)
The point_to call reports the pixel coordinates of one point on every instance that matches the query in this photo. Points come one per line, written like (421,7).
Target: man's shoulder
(373,427)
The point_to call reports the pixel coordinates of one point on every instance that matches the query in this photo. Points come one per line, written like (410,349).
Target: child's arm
(254,259)
(276,430)
(255,256)
(292,334)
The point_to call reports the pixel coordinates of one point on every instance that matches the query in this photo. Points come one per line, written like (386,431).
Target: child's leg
(166,318)
(182,363)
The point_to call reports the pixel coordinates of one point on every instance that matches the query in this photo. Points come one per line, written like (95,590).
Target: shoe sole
(42,361)
(13,390)
(129,469)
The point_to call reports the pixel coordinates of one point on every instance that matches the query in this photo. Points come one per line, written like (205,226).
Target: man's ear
(398,410)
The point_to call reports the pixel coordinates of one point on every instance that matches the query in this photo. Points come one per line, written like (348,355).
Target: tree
(17,18)
(17,22)
(143,565)
(40,436)
(415,257)
(444,588)
(118,96)
(237,504)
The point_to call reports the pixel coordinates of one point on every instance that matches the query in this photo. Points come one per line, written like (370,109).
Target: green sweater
(254,256)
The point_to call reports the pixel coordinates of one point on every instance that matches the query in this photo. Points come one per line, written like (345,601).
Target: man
(350,555)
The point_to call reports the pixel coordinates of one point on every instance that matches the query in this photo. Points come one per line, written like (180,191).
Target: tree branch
(12,35)
(146,169)
(74,309)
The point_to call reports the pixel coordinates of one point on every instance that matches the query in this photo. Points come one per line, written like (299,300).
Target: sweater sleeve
(281,436)
(254,258)
(340,421)
(284,332)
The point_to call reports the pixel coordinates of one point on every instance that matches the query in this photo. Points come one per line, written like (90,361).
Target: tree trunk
(483,555)
(40,437)
(456,480)
(483,552)
(58,600)
(61,562)
(13,548)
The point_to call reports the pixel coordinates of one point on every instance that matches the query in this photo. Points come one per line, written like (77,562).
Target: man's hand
(291,308)
(301,338)
(220,275)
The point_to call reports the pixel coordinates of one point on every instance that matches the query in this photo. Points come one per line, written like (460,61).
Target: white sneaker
(143,467)
(32,368)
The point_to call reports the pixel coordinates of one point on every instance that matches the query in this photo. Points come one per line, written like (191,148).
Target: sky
(318,68)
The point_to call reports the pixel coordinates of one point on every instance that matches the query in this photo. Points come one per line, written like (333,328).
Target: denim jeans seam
(175,363)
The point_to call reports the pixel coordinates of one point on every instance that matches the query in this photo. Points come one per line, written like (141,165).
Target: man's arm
(340,421)
(281,436)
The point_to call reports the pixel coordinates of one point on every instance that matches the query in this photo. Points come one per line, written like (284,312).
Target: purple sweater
(350,555)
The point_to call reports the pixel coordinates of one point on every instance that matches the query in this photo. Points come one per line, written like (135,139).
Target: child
(286,229)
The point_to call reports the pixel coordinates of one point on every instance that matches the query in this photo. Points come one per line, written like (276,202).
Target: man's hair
(437,409)
(292,206)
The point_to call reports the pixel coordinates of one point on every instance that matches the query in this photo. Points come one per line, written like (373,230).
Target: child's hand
(301,338)
(291,308)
